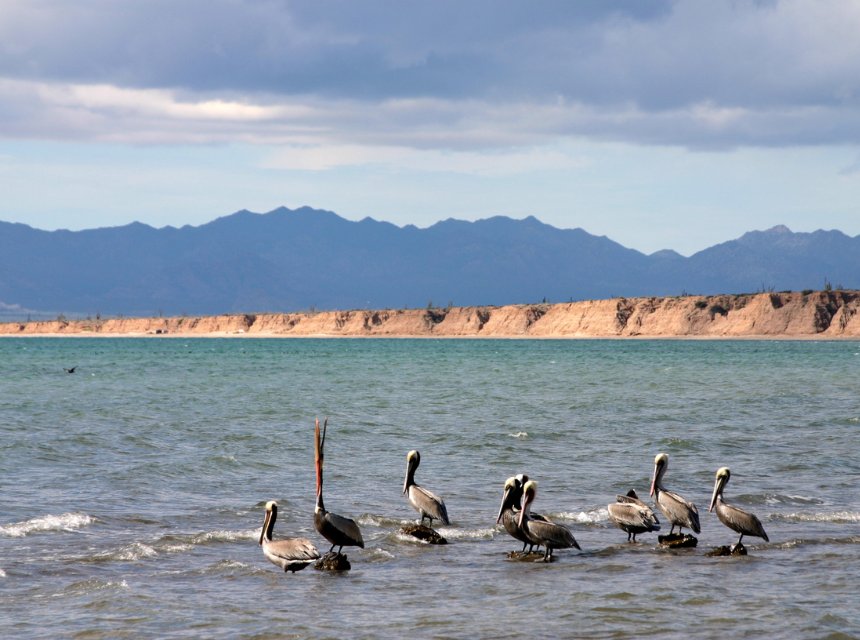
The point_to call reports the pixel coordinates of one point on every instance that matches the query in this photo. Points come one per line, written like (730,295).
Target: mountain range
(289,260)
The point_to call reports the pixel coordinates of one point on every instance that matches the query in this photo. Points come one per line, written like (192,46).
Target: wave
(467,534)
(94,584)
(370,520)
(519,434)
(2,573)
(62,522)
(838,517)
(780,498)
(593,516)
(128,553)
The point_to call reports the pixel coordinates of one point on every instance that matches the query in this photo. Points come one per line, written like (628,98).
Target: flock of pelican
(628,513)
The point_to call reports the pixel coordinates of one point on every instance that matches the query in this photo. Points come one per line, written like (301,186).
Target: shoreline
(818,315)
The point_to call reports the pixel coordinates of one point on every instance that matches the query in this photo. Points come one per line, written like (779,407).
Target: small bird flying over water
(340,531)
(743,522)
(549,534)
(70,370)
(632,515)
(291,554)
(678,511)
(425,502)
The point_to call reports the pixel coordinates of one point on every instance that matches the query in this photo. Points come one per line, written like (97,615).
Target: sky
(660,124)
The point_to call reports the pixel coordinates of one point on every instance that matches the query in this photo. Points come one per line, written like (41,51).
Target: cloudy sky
(660,124)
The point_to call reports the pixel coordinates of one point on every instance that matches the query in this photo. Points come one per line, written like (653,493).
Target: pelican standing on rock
(425,502)
(743,522)
(678,511)
(341,532)
(509,511)
(632,515)
(290,554)
(549,534)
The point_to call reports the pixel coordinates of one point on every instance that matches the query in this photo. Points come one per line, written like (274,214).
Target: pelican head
(413,459)
(722,479)
(510,485)
(661,462)
(529,493)
(269,521)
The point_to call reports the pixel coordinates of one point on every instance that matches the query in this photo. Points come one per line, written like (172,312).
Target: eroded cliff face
(824,314)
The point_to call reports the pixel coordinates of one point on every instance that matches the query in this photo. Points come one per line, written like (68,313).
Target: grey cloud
(694,73)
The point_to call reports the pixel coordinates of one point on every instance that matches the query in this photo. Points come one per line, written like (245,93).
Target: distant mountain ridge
(288,260)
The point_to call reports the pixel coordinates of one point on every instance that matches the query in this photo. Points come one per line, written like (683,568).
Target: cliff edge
(822,314)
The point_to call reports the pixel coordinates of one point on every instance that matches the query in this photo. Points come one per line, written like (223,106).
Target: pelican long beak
(265,525)
(653,481)
(502,507)
(318,456)
(527,500)
(718,487)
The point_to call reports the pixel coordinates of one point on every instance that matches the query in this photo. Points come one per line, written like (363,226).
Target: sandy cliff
(823,314)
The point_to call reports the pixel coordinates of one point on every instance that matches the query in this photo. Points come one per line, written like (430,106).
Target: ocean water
(132,491)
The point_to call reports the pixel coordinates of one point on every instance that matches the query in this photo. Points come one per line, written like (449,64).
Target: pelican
(549,534)
(341,532)
(509,510)
(428,504)
(290,554)
(678,511)
(743,522)
(632,515)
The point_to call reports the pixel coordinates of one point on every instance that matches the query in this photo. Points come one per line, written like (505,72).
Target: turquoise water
(133,490)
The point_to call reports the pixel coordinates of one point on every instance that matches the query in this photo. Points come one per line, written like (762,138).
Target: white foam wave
(132,552)
(2,573)
(467,534)
(62,522)
(371,520)
(841,517)
(224,535)
(593,516)
(519,434)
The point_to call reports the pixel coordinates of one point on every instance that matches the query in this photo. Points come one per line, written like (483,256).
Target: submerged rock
(726,550)
(678,540)
(527,556)
(423,533)
(333,562)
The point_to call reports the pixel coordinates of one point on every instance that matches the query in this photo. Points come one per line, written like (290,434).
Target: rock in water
(333,562)
(526,556)
(726,550)
(678,540)
(423,533)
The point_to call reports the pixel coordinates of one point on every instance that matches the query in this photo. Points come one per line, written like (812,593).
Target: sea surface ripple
(133,490)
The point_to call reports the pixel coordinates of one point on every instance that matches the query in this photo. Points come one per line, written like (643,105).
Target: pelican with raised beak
(549,534)
(425,502)
(677,510)
(290,554)
(632,515)
(341,532)
(743,522)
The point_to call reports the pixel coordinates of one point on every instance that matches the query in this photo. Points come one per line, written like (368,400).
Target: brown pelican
(428,504)
(341,532)
(743,522)
(632,515)
(549,534)
(678,511)
(291,554)
(510,509)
